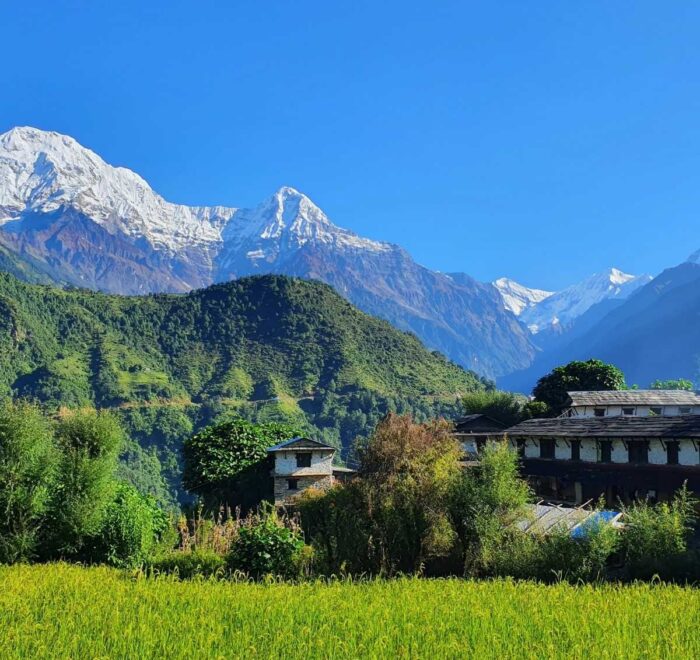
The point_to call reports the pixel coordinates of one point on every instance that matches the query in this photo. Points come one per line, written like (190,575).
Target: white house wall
(286,463)
(639,411)
(687,453)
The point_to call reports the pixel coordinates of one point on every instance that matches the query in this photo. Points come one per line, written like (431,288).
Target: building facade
(301,463)
(622,458)
(633,403)
(473,431)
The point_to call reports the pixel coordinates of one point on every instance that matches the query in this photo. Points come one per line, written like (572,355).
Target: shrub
(28,464)
(267,546)
(655,538)
(132,525)
(89,443)
(187,565)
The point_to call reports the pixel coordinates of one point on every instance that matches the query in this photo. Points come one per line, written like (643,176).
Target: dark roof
(635,398)
(300,443)
(478,424)
(657,426)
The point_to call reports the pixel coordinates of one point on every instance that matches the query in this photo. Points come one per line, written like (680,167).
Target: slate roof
(682,426)
(635,398)
(478,424)
(300,443)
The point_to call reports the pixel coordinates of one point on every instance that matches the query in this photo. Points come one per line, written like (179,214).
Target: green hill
(265,347)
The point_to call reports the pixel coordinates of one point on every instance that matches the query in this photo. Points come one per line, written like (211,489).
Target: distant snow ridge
(694,258)
(563,307)
(517,298)
(41,171)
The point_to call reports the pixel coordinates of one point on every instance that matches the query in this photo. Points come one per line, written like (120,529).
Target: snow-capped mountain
(517,298)
(557,311)
(72,217)
(694,258)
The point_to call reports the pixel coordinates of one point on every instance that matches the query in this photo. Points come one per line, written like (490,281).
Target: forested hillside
(264,347)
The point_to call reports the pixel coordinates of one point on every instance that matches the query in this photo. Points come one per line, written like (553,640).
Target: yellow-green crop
(62,611)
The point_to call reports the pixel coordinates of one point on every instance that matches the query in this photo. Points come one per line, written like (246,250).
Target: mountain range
(68,217)
(72,218)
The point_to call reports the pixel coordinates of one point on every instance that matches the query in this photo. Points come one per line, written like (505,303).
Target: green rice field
(62,611)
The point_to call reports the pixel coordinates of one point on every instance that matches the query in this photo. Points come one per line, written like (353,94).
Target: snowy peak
(694,258)
(42,171)
(283,223)
(516,297)
(563,307)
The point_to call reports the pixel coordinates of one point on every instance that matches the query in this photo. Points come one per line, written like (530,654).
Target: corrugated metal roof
(634,398)
(658,426)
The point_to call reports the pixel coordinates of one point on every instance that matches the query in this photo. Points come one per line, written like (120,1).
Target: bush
(89,443)
(504,407)
(266,546)
(132,526)
(187,565)
(28,464)
(656,536)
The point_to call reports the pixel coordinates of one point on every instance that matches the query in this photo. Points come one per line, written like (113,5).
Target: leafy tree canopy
(507,408)
(221,455)
(589,375)
(680,384)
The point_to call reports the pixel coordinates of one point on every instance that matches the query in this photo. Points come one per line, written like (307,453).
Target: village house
(300,464)
(622,457)
(632,403)
(473,431)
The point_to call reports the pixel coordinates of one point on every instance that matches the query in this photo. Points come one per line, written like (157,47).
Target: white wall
(657,453)
(532,449)
(286,463)
(687,454)
(562,450)
(589,451)
(619,453)
(639,411)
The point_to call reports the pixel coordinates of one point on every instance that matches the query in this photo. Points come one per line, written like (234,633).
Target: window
(293,484)
(575,450)
(655,410)
(547,448)
(521,448)
(605,451)
(672,452)
(638,451)
(304,460)
(628,412)
(684,410)
(599,412)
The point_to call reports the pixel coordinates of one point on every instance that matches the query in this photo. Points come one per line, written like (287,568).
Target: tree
(28,466)
(485,502)
(225,463)
(589,375)
(89,443)
(407,472)
(505,407)
(680,384)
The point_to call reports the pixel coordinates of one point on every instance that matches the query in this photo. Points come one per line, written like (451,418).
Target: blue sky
(539,140)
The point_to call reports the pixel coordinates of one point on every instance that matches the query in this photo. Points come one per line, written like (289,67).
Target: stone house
(301,463)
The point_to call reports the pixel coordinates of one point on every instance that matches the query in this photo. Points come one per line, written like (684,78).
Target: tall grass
(68,611)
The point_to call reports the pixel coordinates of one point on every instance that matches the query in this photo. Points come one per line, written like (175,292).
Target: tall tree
(576,376)
(28,466)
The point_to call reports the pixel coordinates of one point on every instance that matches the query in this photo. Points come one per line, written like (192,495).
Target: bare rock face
(83,222)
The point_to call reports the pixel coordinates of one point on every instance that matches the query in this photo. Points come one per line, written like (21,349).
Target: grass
(67,611)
